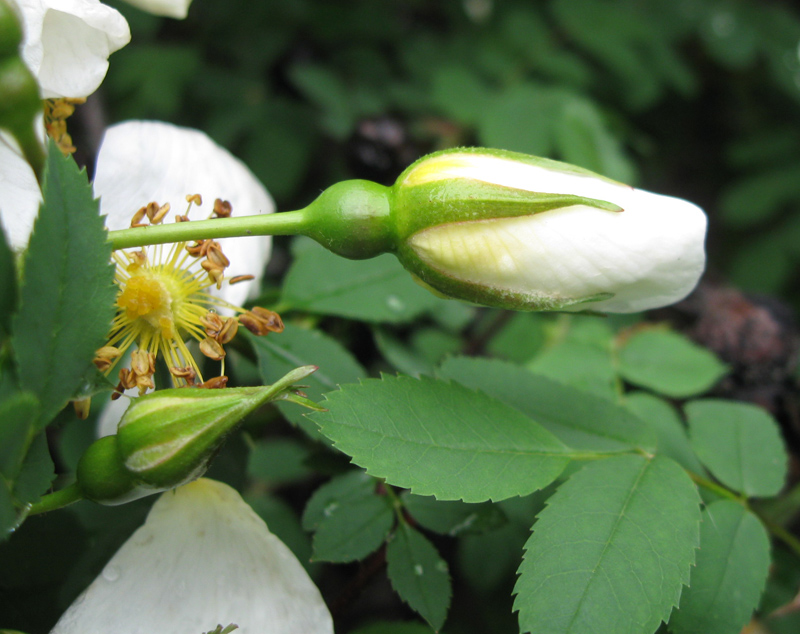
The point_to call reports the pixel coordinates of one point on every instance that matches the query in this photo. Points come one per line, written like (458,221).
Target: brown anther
(212,349)
(229,330)
(158,216)
(188,374)
(241,278)
(212,323)
(82,406)
(222,208)
(261,321)
(198,249)
(143,363)
(196,199)
(217,383)
(105,356)
(127,380)
(215,273)
(180,218)
(136,221)
(216,256)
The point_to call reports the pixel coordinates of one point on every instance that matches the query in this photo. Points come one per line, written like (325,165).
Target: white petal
(649,255)
(169,8)
(144,161)
(67,43)
(19,194)
(202,558)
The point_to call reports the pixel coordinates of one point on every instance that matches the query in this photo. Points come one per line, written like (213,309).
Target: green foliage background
(694,98)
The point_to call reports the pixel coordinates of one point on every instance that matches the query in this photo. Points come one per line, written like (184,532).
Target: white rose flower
(514,231)
(203,558)
(67,44)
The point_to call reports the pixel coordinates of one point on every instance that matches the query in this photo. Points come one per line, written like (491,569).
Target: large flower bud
(515,231)
(168,438)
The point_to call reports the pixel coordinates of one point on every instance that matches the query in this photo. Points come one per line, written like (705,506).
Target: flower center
(146,296)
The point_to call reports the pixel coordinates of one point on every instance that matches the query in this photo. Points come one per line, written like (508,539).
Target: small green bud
(515,231)
(21,100)
(10,31)
(168,438)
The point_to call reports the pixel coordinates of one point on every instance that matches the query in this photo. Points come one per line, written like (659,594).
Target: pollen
(164,302)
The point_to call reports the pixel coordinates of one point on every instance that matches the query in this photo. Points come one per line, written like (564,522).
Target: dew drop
(418,570)
(395,303)
(110,573)
(329,510)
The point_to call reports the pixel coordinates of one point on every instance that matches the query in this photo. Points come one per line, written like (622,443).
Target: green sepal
(21,100)
(102,476)
(451,200)
(10,31)
(169,437)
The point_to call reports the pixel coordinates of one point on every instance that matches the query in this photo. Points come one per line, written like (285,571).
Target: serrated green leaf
(295,346)
(347,488)
(670,430)
(37,472)
(740,444)
(442,439)
(349,518)
(419,575)
(379,290)
(8,285)
(611,551)
(732,566)
(17,417)
(669,363)
(353,529)
(579,364)
(579,419)
(453,518)
(67,294)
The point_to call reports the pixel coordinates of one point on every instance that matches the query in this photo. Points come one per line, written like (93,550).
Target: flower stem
(281,224)
(57,500)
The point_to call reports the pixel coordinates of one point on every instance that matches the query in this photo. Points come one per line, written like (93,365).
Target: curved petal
(168,8)
(202,558)
(67,44)
(19,194)
(144,161)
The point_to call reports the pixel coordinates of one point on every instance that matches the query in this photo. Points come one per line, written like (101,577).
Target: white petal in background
(67,43)
(144,161)
(202,558)
(19,194)
(168,8)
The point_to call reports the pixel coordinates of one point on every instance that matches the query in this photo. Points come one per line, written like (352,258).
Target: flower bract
(202,558)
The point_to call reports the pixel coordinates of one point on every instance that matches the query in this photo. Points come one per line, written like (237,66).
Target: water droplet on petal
(110,573)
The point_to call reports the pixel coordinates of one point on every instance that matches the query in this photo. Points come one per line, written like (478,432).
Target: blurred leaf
(519,119)
(325,89)
(580,420)
(581,365)
(151,79)
(347,488)
(67,295)
(8,285)
(394,628)
(668,363)
(732,566)
(8,514)
(453,518)
(378,290)
(400,355)
(764,264)
(17,418)
(670,430)
(521,337)
(294,347)
(282,521)
(582,137)
(419,575)
(37,472)
(612,549)
(460,93)
(440,438)
(740,444)
(278,461)
(729,33)
(758,198)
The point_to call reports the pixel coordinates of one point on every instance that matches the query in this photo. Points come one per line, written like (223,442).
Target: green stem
(57,500)
(33,151)
(716,488)
(281,224)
